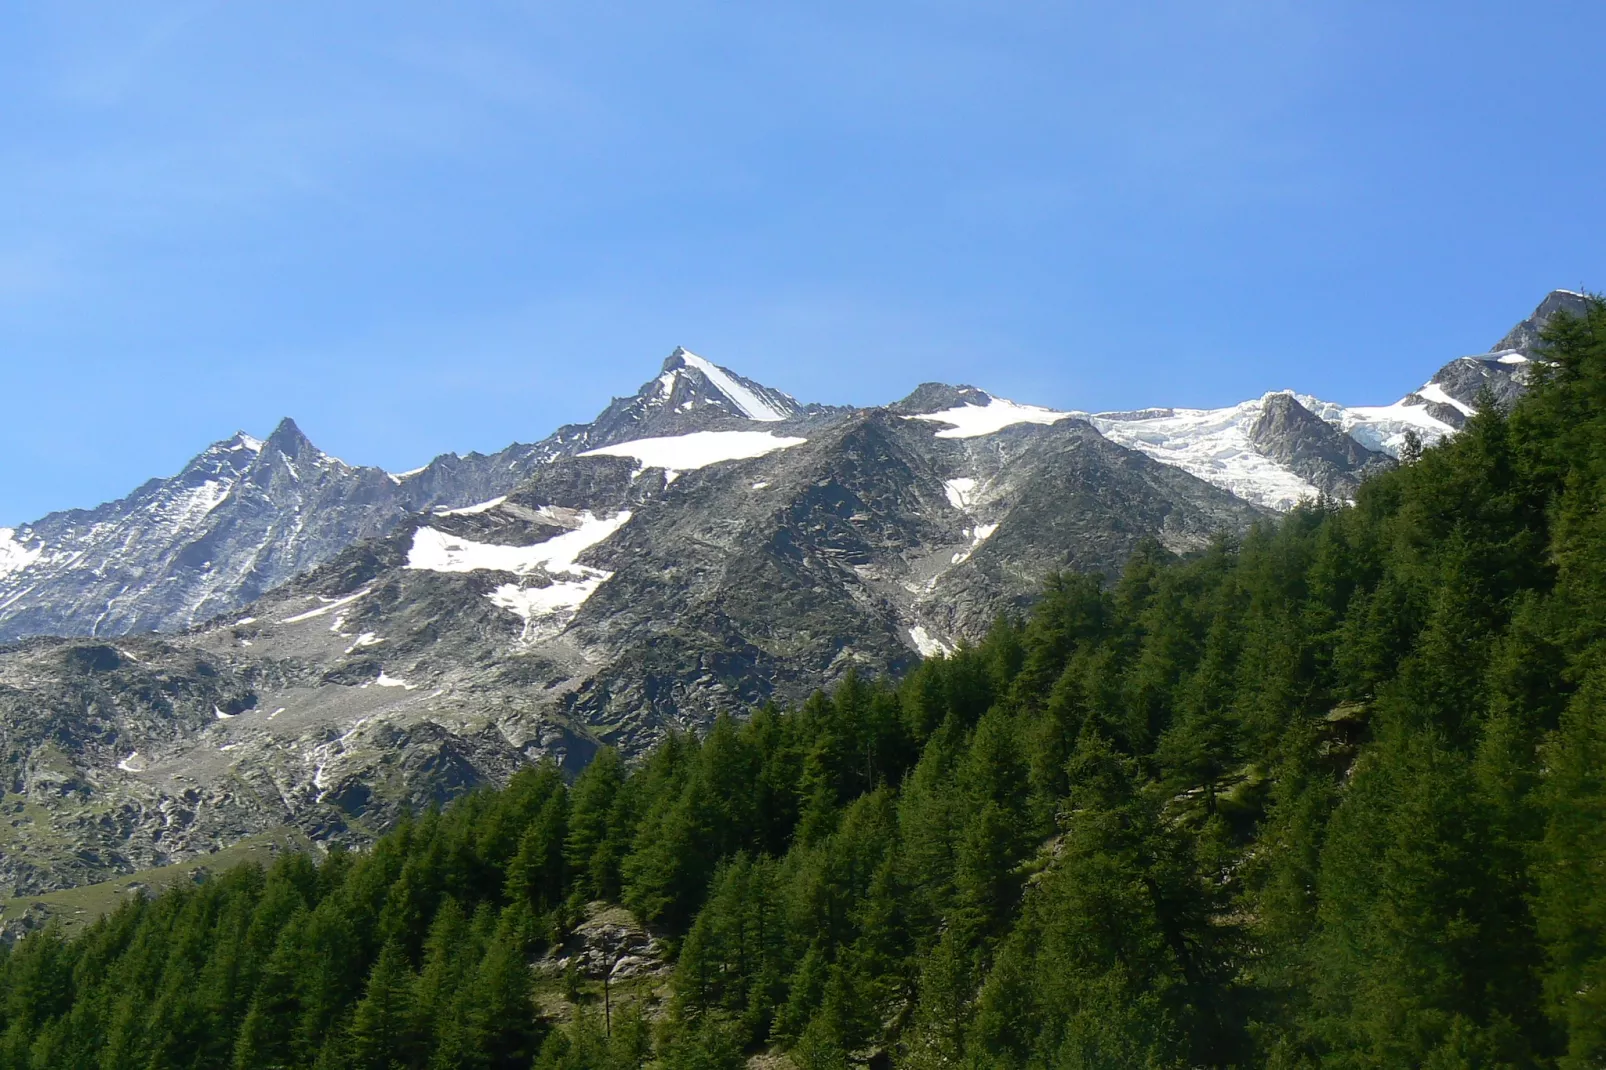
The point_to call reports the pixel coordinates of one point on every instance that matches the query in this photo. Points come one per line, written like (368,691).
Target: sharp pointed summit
(689,394)
(1524,337)
(714,385)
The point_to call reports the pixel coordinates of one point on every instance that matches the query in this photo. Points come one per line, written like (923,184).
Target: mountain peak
(287,438)
(937,397)
(1524,337)
(677,359)
(722,387)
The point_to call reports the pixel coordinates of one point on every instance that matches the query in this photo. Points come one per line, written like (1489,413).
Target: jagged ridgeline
(1334,793)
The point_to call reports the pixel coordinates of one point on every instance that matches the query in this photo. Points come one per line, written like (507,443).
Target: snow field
(14,556)
(751,405)
(685,453)
(973,421)
(1212,444)
(544,610)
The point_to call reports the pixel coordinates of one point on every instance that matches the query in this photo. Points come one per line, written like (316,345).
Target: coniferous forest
(1330,795)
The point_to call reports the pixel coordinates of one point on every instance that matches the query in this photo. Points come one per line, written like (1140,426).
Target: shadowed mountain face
(372,642)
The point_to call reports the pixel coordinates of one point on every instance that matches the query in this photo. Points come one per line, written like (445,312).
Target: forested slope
(1334,795)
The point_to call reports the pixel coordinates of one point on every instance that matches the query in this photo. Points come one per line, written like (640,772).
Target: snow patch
(473,510)
(547,610)
(14,556)
(751,405)
(973,421)
(685,453)
(197,502)
(331,605)
(391,681)
(928,645)
(1512,358)
(961,492)
(223,716)
(761,484)
(243,621)
(132,764)
(365,639)
(1435,392)
(436,551)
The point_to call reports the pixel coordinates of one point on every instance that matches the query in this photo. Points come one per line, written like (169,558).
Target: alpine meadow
(1332,793)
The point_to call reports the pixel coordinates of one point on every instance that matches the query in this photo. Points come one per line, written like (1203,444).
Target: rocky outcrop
(1523,339)
(1293,436)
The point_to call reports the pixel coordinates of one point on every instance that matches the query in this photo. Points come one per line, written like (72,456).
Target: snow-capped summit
(247,514)
(688,380)
(241,517)
(690,394)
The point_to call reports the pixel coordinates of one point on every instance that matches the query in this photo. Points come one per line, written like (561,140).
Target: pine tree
(383,1031)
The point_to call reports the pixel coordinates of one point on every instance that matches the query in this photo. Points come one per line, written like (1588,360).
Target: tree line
(1333,794)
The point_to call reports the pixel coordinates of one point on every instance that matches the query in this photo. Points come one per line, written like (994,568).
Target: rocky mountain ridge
(706,545)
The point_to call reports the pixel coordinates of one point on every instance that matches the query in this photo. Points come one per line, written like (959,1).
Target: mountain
(1330,796)
(627,586)
(372,642)
(1268,453)
(246,515)
(241,518)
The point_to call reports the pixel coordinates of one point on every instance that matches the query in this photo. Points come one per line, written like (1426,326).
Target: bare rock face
(246,515)
(1323,456)
(1523,339)
(616,593)
(344,645)
(608,944)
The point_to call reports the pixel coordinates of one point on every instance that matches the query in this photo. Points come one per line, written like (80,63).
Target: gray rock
(361,645)
(1323,456)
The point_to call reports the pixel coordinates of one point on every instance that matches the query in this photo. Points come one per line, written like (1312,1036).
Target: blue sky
(423,227)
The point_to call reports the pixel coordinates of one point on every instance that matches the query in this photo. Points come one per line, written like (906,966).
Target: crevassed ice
(972,421)
(684,453)
(1380,427)
(752,406)
(1212,444)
